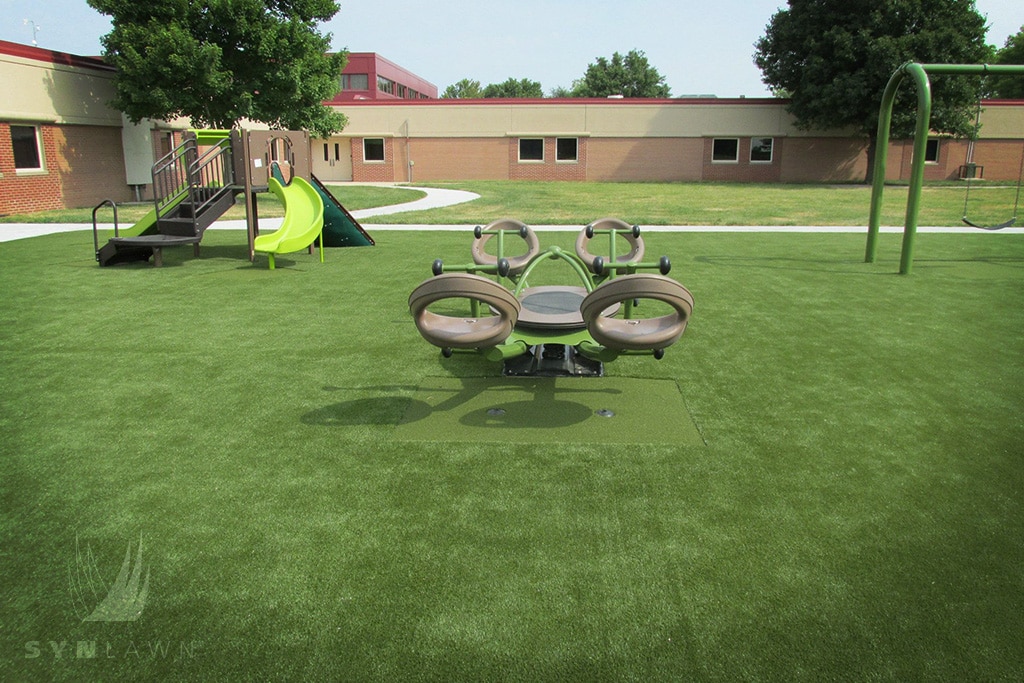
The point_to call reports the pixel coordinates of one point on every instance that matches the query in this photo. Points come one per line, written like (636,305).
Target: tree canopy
(513,88)
(220,61)
(834,57)
(466,89)
(630,76)
(1009,87)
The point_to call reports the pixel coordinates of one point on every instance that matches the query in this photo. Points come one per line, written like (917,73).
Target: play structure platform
(202,178)
(553,330)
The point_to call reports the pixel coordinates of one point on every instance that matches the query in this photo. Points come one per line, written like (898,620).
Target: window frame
(38,155)
(576,151)
(346,82)
(383,151)
(932,144)
(519,147)
(771,150)
(736,154)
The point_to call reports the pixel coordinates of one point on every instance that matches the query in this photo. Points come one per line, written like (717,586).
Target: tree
(629,76)
(835,57)
(1009,87)
(220,61)
(466,89)
(513,88)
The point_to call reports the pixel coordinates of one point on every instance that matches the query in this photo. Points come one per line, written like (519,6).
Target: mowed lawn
(852,509)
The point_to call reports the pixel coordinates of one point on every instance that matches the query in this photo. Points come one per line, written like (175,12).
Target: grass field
(540,203)
(851,509)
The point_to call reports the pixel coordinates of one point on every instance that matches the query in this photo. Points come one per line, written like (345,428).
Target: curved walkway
(437,198)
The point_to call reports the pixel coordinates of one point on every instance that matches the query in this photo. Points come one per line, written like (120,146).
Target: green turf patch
(619,410)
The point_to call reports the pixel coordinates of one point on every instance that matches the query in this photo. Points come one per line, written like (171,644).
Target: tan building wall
(82,145)
(648,140)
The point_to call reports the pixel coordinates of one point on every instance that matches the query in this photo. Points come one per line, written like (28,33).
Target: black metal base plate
(552,360)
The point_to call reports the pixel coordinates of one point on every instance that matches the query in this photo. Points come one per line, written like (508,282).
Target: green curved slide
(303,220)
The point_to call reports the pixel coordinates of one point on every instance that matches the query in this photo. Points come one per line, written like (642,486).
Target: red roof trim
(53,57)
(571,100)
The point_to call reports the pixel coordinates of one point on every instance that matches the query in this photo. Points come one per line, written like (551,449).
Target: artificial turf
(853,510)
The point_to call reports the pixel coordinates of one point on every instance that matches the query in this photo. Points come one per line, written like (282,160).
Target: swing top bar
(919,73)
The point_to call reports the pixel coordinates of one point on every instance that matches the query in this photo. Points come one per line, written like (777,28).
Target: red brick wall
(816,160)
(90,164)
(549,169)
(999,159)
(644,159)
(456,159)
(744,170)
(28,191)
(373,171)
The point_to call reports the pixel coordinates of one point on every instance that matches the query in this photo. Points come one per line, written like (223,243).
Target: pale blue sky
(700,48)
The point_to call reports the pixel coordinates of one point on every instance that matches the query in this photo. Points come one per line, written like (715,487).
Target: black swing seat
(1000,226)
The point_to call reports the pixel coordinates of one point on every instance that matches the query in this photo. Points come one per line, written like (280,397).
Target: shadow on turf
(380,408)
(788,263)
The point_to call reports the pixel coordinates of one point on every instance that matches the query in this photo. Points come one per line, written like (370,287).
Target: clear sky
(700,48)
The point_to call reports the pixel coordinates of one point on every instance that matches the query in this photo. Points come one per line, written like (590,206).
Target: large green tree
(513,88)
(220,61)
(630,76)
(1010,87)
(466,89)
(834,57)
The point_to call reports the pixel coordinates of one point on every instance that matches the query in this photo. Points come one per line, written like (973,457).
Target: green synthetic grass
(855,514)
(561,203)
(607,410)
(352,197)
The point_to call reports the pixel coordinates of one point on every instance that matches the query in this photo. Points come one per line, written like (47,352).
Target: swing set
(919,74)
(969,167)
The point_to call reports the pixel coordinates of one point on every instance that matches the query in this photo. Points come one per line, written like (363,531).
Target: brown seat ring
(636,243)
(464,332)
(517,263)
(637,334)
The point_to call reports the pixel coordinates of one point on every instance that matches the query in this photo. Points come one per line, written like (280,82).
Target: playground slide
(340,228)
(147,224)
(303,219)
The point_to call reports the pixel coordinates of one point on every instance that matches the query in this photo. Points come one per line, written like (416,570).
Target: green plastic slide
(303,220)
(147,224)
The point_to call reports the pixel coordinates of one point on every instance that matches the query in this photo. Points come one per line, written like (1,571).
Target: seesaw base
(552,360)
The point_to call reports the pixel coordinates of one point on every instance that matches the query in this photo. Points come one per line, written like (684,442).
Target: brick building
(61,145)
(368,76)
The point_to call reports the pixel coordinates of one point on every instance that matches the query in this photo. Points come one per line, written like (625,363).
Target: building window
(531,149)
(373,149)
(931,152)
(355,82)
(761,150)
(725,150)
(566,149)
(25,141)
(385,85)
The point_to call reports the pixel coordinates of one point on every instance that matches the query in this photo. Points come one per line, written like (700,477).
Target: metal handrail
(95,228)
(184,171)
(171,175)
(211,170)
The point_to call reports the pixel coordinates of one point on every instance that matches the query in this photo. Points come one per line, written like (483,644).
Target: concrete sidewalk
(438,198)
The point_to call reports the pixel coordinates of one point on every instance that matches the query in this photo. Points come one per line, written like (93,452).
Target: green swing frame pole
(919,73)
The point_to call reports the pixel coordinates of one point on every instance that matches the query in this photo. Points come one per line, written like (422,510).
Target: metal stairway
(191,191)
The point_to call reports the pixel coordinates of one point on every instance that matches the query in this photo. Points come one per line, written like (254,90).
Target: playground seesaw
(553,330)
